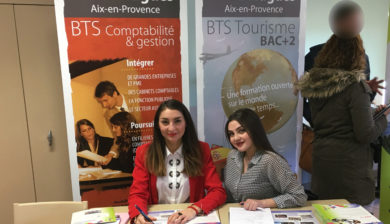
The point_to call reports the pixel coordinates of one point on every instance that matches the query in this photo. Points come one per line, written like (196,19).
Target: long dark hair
(345,54)
(251,122)
(125,120)
(81,141)
(155,160)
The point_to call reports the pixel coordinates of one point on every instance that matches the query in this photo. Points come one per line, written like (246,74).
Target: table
(157,207)
(102,189)
(223,210)
(101,182)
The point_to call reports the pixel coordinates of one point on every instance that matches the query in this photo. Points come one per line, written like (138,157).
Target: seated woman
(88,139)
(255,175)
(124,135)
(175,168)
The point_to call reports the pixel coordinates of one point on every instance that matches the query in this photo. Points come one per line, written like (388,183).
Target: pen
(143,214)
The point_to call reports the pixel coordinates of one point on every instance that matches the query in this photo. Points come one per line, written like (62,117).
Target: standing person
(126,139)
(346,21)
(175,168)
(343,122)
(88,139)
(255,175)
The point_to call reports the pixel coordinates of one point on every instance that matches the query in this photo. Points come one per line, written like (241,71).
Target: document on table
(162,217)
(86,154)
(240,215)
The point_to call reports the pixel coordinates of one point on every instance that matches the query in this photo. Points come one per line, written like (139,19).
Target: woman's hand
(381,107)
(375,85)
(141,220)
(107,159)
(252,204)
(182,216)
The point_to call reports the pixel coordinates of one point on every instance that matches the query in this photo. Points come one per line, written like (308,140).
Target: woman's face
(87,132)
(239,137)
(117,130)
(172,126)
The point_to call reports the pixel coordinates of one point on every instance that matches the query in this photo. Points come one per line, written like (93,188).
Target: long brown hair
(81,141)
(125,120)
(345,54)
(192,153)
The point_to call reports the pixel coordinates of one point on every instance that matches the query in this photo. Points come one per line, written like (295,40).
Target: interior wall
(374,33)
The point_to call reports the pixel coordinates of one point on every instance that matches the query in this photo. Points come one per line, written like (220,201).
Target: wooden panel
(16,183)
(28,2)
(38,44)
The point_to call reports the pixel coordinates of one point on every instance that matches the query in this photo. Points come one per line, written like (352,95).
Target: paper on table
(212,217)
(89,170)
(86,154)
(162,217)
(240,215)
(294,217)
(123,217)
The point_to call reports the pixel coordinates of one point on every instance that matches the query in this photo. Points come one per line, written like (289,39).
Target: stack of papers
(96,172)
(240,216)
(89,170)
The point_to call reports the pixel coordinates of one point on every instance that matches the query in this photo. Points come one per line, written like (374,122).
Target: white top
(175,186)
(124,104)
(94,150)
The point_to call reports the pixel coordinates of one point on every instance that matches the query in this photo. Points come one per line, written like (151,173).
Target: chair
(47,212)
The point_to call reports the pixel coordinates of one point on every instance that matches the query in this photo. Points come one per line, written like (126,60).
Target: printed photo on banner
(124,59)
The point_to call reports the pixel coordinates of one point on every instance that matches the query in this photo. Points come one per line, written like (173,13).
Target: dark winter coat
(309,64)
(344,127)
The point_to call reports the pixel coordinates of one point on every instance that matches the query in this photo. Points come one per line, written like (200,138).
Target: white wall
(374,33)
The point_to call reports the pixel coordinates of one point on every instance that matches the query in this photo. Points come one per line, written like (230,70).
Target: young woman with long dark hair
(175,168)
(256,175)
(88,139)
(126,139)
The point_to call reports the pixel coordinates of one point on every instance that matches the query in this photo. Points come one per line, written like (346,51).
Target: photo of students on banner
(117,56)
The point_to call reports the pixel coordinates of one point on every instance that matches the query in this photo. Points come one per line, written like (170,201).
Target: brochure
(294,217)
(94,215)
(344,214)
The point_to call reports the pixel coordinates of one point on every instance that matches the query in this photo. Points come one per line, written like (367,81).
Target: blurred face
(350,26)
(172,126)
(107,101)
(117,130)
(239,137)
(87,132)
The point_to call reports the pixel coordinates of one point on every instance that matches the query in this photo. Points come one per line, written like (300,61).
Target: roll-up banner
(249,54)
(119,60)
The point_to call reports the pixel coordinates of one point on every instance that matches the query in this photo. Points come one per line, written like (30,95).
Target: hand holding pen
(142,218)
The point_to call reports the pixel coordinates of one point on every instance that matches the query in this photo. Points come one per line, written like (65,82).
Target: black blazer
(104,146)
